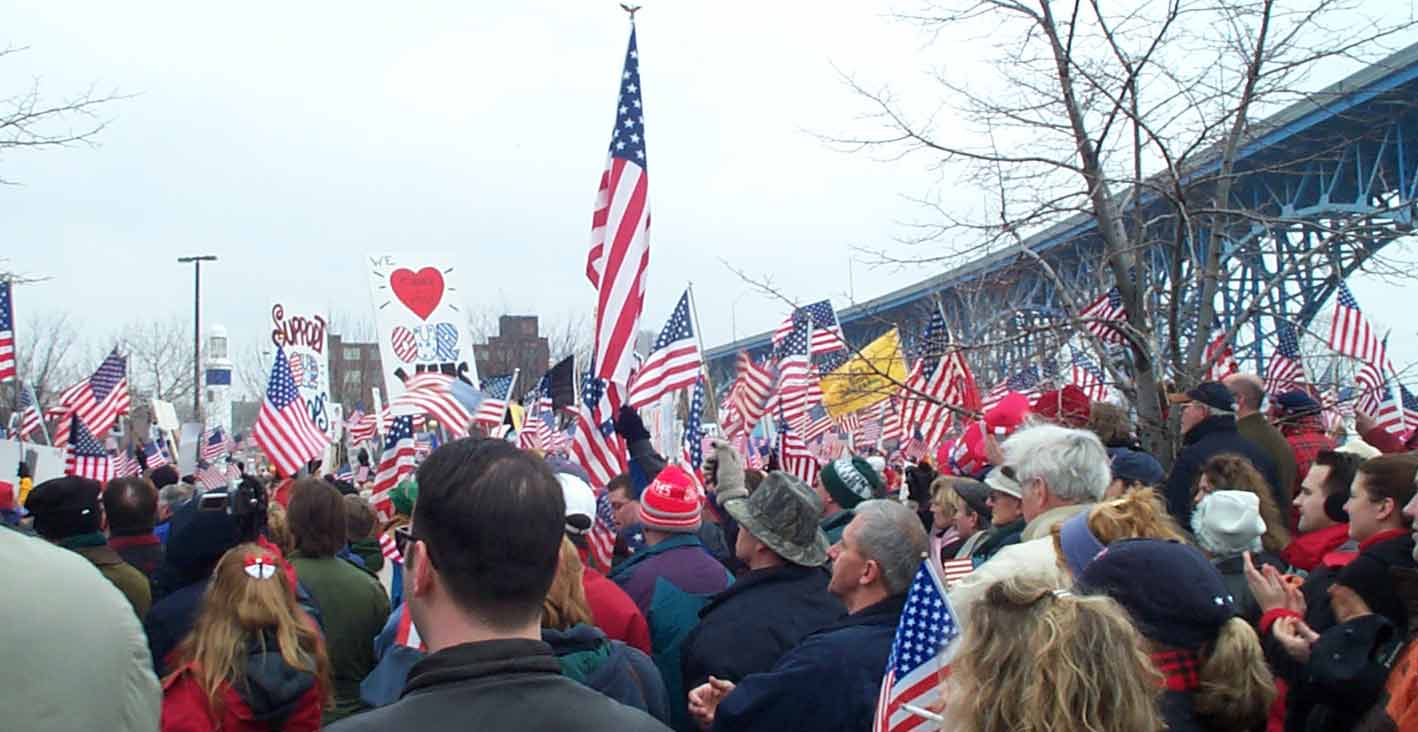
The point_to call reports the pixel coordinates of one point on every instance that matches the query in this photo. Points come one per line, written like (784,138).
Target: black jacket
(1211,437)
(746,628)
(611,667)
(498,685)
(1233,573)
(999,538)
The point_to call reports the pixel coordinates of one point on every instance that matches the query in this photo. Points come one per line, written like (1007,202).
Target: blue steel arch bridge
(1343,159)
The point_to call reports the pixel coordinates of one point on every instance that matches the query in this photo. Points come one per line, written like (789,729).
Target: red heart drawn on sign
(419,291)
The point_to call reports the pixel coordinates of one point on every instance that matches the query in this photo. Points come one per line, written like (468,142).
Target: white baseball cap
(580,504)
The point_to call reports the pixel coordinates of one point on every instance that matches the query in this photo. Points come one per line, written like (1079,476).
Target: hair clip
(260,567)
(1061,593)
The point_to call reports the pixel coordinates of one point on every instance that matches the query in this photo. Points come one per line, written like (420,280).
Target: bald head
(1248,390)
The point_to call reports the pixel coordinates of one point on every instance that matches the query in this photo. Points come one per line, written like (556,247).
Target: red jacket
(614,612)
(1388,443)
(185,709)
(1306,550)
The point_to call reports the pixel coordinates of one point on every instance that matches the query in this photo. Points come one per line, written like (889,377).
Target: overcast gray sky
(290,140)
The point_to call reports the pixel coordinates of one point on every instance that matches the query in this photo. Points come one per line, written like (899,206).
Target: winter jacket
(1043,525)
(968,547)
(1211,437)
(74,655)
(170,621)
(670,582)
(1266,436)
(498,685)
(611,667)
(830,681)
(369,553)
(1388,443)
(1036,560)
(835,524)
(1233,573)
(132,583)
(355,608)
(999,538)
(1305,551)
(1397,705)
(748,627)
(272,696)
(613,611)
(143,551)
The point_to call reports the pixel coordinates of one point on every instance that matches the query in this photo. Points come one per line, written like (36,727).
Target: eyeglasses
(404,536)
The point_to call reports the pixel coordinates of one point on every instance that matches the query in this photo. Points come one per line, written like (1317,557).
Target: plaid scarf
(1181,670)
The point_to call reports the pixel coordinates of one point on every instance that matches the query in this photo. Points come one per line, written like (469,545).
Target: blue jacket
(828,682)
(748,627)
(670,582)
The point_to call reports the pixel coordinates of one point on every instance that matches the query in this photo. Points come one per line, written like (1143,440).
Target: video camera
(245,501)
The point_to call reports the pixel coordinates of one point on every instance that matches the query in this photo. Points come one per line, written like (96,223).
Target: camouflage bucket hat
(784,514)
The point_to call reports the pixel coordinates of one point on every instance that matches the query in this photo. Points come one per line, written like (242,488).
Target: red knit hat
(1068,406)
(671,503)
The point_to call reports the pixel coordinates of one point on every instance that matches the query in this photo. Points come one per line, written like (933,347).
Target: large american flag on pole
(693,441)
(793,455)
(794,371)
(596,446)
(1285,370)
(98,400)
(1351,335)
(925,642)
(29,412)
(620,231)
(674,361)
(826,331)
(396,463)
(1104,315)
(283,428)
(752,388)
(928,387)
(497,392)
(436,395)
(7,333)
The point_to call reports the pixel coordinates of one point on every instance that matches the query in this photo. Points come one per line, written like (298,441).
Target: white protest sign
(49,461)
(421,327)
(304,333)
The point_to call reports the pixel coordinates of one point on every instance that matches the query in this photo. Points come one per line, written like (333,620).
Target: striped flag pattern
(153,455)
(1102,315)
(595,446)
(751,390)
(1087,376)
(1220,359)
(926,639)
(673,363)
(99,399)
(29,412)
(213,444)
(396,463)
(497,392)
(794,373)
(793,455)
(1285,370)
(7,333)
(826,331)
(601,540)
(693,441)
(1350,333)
(389,548)
(620,231)
(85,457)
(284,430)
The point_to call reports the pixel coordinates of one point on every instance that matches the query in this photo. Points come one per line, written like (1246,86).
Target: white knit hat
(1227,523)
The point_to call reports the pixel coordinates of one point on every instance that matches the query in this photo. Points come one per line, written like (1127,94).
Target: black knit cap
(65,507)
(1369,575)
(1176,597)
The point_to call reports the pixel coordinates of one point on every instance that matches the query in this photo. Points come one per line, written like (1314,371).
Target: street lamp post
(197,329)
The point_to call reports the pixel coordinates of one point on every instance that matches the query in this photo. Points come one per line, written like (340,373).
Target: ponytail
(1237,687)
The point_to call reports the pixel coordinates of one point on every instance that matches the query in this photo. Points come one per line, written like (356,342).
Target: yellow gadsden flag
(872,375)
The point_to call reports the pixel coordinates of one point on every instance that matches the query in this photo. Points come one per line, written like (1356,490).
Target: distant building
(517,345)
(355,370)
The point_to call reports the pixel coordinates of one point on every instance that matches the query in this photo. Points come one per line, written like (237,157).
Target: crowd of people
(1266,581)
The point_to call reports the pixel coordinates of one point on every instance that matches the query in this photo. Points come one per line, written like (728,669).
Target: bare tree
(160,360)
(1135,118)
(31,121)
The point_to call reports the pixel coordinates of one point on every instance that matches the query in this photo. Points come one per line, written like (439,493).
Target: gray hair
(891,535)
(174,493)
(1073,463)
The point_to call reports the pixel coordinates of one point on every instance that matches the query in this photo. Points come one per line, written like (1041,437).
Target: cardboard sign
(305,334)
(420,322)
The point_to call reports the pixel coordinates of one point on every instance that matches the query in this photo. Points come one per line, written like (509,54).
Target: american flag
(1102,313)
(752,388)
(694,427)
(435,394)
(850,423)
(673,363)
(794,373)
(396,463)
(1088,377)
(211,476)
(601,540)
(815,424)
(214,444)
(153,455)
(1220,359)
(873,426)
(362,427)
(1389,414)
(1024,381)
(283,429)
(826,331)
(620,231)
(596,446)
(99,399)
(1351,335)
(1410,408)
(7,333)
(793,455)
(389,548)
(29,412)
(497,391)
(944,378)
(925,642)
(125,465)
(1285,371)
(86,457)
(954,570)
(1374,387)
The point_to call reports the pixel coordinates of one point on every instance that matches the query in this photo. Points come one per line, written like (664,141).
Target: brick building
(355,370)
(517,345)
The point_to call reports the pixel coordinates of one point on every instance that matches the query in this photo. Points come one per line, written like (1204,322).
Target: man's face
(966,521)
(1309,502)
(1005,509)
(1035,495)
(745,546)
(1411,511)
(1192,415)
(626,510)
(1366,515)
(849,565)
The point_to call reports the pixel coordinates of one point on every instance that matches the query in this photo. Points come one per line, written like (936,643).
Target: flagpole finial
(632,10)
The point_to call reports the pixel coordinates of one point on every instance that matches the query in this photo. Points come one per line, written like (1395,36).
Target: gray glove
(728,474)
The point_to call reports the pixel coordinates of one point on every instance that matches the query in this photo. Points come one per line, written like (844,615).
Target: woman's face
(1203,487)
(967,522)
(940,512)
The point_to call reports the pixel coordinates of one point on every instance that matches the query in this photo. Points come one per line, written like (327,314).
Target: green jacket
(132,583)
(354,608)
(369,551)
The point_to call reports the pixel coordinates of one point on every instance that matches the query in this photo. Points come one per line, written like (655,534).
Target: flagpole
(703,363)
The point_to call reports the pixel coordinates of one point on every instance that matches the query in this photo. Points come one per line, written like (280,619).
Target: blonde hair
(1035,659)
(238,609)
(277,530)
(1229,471)
(1139,514)
(943,494)
(565,604)
(1237,687)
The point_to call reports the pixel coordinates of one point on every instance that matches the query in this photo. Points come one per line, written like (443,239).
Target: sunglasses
(404,536)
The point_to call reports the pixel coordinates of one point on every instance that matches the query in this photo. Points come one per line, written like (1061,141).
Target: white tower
(218,401)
